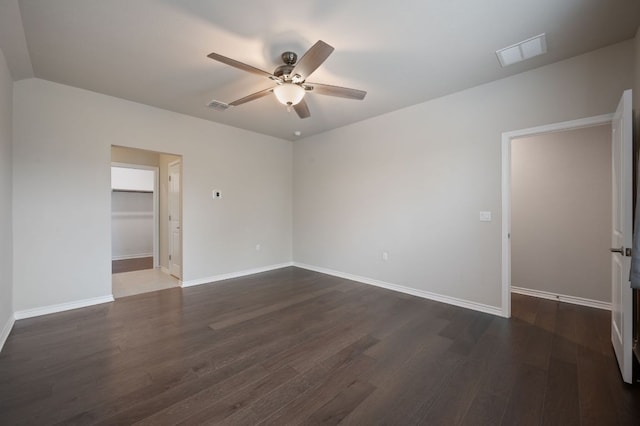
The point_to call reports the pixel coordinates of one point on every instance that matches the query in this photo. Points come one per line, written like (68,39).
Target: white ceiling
(401,52)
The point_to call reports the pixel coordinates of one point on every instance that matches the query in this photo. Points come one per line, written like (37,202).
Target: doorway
(507,207)
(561,195)
(134,217)
(174,209)
(140,216)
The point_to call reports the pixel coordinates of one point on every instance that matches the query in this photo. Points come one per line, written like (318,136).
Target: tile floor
(129,283)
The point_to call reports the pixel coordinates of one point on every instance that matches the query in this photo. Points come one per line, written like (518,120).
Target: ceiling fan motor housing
(289,59)
(283,70)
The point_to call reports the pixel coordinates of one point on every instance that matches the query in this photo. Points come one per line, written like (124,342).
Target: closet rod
(132,190)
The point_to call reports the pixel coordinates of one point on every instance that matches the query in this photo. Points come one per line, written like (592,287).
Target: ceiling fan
(290,80)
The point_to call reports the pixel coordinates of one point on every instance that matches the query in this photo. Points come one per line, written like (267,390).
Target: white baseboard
(165,270)
(562,298)
(131,256)
(51,309)
(238,274)
(4,334)
(407,290)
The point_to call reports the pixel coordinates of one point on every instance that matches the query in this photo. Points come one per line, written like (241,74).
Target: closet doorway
(134,217)
(140,237)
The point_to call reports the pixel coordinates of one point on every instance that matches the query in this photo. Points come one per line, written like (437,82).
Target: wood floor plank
(561,397)
(487,408)
(527,397)
(461,387)
(320,392)
(350,360)
(564,346)
(409,374)
(596,401)
(342,404)
(293,346)
(211,387)
(206,407)
(128,265)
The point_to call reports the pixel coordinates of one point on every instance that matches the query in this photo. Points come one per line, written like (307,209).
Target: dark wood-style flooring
(297,347)
(129,265)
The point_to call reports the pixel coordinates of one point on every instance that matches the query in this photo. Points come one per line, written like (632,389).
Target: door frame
(507,137)
(156,205)
(171,163)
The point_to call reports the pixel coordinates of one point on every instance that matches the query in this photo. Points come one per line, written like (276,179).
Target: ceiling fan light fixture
(289,93)
(290,80)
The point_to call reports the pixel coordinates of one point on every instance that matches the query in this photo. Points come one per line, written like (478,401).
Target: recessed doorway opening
(507,198)
(143,237)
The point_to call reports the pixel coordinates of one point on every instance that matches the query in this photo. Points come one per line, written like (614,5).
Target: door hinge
(169,257)
(628,252)
(169,178)
(169,217)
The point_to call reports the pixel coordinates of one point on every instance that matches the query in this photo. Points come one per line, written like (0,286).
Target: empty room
(337,223)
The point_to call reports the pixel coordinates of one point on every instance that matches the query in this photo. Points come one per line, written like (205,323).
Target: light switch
(485,216)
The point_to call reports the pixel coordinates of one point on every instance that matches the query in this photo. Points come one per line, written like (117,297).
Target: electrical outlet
(216,194)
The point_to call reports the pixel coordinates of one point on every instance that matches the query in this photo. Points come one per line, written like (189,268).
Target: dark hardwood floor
(297,347)
(129,265)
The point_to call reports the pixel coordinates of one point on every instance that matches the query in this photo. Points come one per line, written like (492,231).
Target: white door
(621,236)
(175,245)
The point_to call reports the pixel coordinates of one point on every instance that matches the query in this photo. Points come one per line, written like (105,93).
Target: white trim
(132,256)
(506,225)
(165,270)
(214,278)
(506,189)
(407,290)
(562,298)
(171,164)
(6,330)
(51,309)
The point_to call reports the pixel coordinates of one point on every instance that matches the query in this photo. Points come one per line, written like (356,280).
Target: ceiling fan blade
(252,97)
(239,65)
(302,109)
(342,92)
(312,59)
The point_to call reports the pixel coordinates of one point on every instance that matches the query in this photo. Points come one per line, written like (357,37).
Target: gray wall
(561,213)
(67,133)
(121,154)
(412,182)
(131,224)
(6,234)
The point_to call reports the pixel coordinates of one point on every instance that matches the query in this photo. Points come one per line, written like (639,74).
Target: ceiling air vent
(217,105)
(526,49)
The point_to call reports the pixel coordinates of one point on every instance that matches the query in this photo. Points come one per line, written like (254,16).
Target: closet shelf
(132,190)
